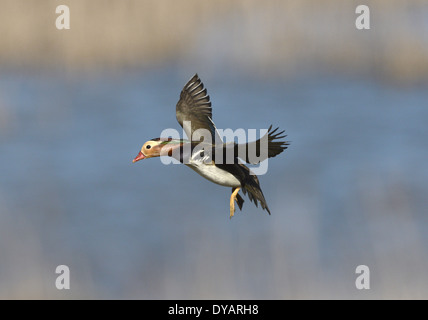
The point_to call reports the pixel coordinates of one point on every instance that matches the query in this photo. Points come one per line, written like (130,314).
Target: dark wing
(195,106)
(274,144)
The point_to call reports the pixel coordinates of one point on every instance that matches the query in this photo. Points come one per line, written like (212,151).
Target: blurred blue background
(76,106)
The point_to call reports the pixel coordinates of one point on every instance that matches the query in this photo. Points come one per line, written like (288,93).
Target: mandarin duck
(194,112)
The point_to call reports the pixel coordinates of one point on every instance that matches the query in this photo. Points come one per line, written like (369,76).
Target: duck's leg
(232,201)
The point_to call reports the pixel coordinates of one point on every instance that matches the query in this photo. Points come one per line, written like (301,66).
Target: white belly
(216,175)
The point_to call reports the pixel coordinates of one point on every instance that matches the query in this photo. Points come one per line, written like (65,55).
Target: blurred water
(350,190)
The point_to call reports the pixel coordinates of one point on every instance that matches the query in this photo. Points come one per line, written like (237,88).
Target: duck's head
(150,149)
(158,147)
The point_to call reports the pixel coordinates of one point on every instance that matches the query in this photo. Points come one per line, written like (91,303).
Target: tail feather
(249,184)
(255,193)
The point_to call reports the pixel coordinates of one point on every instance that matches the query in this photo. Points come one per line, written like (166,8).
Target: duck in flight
(194,112)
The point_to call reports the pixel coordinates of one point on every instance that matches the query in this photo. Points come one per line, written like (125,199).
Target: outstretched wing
(275,145)
(194,107)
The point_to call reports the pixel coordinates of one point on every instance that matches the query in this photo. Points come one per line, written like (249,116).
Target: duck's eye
(148,146)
